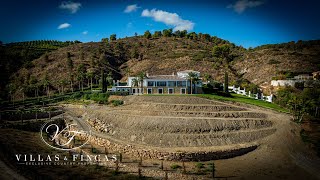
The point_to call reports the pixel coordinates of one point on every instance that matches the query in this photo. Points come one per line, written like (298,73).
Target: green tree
(207,77)
(135,53)
(105,40)
(167,32)
(103,82)
(147,34)
(46,84)
(141,77)
(70,69)
(226,82)
(222,52)
(298,107)
(157,34)
(81,74)
(90,75)
(113,37)
(193,78)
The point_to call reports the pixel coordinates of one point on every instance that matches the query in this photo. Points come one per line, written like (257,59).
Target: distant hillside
(163,54)
(261,64)
(14,56)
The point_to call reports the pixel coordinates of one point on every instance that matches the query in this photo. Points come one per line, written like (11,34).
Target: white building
(163,84)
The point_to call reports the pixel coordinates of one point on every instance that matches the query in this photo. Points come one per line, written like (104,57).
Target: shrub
(117,102)
(273,61)
(224,94)
(175,166)
(199,165)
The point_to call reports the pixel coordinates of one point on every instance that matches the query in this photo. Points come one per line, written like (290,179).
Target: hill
(78,64)
(261,64)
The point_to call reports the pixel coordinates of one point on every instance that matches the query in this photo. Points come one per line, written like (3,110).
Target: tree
(134,53)
(103,82)
(193,78)
(81,74)
(167,32)
(222,52)
(183,33)
(147,34)
(113,37)
(298,106)
(62,83)
(141,77)
(177,33)
(207,77)
(46,84)
(70,68)
(226,82)
(134,83)
(90,75)
(105,40)
(157,34)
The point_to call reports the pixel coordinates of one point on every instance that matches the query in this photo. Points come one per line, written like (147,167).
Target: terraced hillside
(173,124)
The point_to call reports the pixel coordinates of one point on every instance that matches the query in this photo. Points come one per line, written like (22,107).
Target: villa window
(170,90)
(149,90)
(150,83)
(171,83)
(160,90)
(161,83)
(181,83)
(183,91)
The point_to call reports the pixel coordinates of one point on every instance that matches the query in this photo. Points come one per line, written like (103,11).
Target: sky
(248,23)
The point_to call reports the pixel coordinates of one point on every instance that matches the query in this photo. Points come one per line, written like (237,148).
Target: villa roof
(166,77)
(187,71)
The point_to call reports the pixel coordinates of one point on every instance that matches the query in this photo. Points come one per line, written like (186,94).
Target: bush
(101,98)
(273,61)
(199,165)
(76,95)
(224,94)
(175,166)
(117,102)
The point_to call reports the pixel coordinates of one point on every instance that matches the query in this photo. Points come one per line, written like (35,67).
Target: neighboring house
(291,82)
(163,84)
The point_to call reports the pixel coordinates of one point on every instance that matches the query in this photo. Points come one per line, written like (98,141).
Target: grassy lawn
(244,99)
(234,98)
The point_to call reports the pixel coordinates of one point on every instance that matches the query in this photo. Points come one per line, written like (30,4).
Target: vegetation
(246,100)
(116,102)
(175,166)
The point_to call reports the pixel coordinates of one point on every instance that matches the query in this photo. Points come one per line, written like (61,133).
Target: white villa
(162,84)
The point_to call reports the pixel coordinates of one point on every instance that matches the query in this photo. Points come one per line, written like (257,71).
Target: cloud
(85,32)
(168,18)
(241,5)
(73,7)
(64,25)
(131,8)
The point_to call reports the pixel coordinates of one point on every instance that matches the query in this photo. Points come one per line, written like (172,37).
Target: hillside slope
(164,55)
(261,64)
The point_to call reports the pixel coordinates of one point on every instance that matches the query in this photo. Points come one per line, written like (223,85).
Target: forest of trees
(14,56)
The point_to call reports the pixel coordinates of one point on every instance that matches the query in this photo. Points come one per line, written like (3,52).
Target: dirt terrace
(179,123)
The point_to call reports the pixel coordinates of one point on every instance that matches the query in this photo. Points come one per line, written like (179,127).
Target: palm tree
(141,77)
(90,76)
(134,83)
(194,78)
